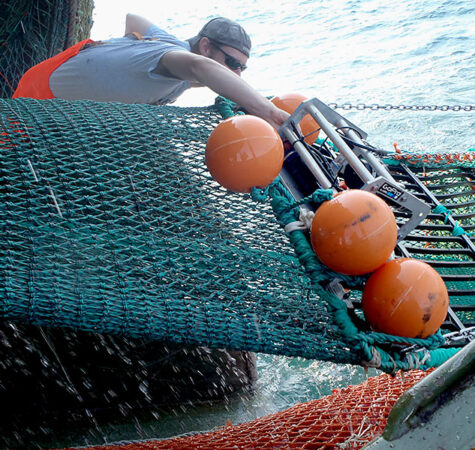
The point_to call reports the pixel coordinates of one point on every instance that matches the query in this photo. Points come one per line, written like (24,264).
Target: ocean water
(414,52)
(411,52)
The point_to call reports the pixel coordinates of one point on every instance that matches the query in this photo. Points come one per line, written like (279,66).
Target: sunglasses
(231,61)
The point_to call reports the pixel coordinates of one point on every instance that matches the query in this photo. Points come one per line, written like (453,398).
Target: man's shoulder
(156,33)
(132,44)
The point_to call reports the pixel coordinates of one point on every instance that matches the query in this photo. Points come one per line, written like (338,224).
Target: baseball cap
(226,32)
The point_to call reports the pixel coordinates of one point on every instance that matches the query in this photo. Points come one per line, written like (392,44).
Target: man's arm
(136,24)
(188,66)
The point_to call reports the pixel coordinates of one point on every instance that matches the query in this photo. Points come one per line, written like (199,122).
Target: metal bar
(435,187)
(456,194)
(373,161)
(436,216)
(449,277)
(435,177)
(455,216)
(455,319)
(438,251)
(306,157)
(463,308)
(440,227)
(461,292)
(450,263)
(424,238)
(460,205)
(342,146)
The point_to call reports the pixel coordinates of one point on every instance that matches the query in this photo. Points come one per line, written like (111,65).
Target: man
(148,65)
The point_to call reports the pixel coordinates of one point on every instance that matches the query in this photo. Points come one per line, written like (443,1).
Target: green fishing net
(111,223)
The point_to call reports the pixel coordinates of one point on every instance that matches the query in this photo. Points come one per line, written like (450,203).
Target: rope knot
(441,209)
(304,223)
(375,361)
(322,195)
(260,195)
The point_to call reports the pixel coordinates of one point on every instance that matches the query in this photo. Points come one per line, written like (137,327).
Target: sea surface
(358,52)
(410,52)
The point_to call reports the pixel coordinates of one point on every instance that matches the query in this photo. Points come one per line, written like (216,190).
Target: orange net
(349,418)
(435,158)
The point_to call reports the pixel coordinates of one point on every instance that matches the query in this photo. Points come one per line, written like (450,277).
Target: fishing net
(112,224)
(349,418)
(32,31)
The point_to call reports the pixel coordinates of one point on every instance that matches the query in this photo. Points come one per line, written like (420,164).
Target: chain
(374,107)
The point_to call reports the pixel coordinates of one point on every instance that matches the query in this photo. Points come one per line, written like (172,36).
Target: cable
(366,147)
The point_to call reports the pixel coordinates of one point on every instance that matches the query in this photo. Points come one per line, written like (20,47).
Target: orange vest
(35,82)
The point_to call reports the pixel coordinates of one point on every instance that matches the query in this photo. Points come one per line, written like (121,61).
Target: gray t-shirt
(121,70)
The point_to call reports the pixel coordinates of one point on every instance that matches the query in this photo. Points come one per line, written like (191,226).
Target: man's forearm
(196,68)
(228,84)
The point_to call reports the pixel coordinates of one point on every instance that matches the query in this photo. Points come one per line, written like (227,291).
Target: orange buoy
(354,233)
(289,103)
(405,297)
(244,152)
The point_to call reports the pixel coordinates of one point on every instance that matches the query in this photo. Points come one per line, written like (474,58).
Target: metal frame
(383,184)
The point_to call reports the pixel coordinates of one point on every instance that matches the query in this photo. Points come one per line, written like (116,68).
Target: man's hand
(277,117)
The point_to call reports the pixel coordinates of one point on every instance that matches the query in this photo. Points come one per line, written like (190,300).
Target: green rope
(441,209)
(367,344)
(457,229)
(317,197)
(226,107)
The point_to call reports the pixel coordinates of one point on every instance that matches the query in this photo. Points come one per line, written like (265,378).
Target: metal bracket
(393,193)
(384,185)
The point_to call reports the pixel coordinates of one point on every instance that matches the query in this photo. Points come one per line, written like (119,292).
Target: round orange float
(244,152)
(405,297)
(289,103)
(354,233)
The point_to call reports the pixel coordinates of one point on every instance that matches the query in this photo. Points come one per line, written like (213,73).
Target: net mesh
(349,418)
(34,30)
(111,223)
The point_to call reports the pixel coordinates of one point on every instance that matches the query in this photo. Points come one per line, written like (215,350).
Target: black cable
(350,128)
(366,147)
(318,156)
(325,165)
